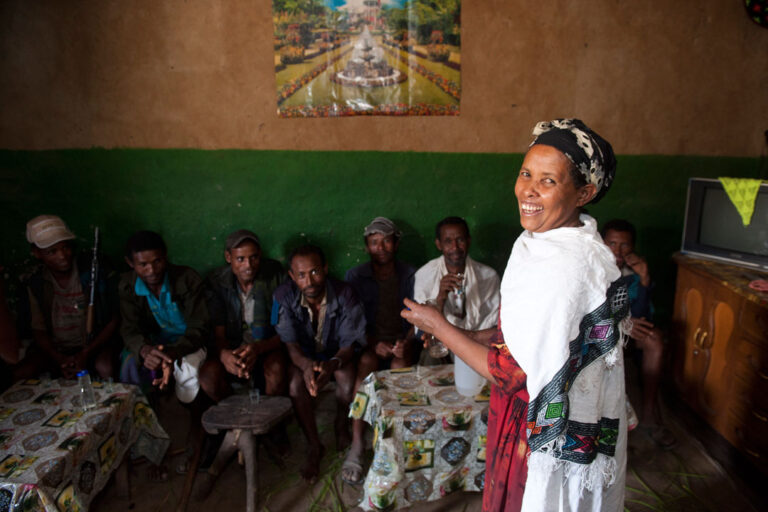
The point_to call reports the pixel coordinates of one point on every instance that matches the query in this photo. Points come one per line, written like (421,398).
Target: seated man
(321,321)
(382,284)
(9,341)
(467,292)
(619,235)
(239,297)
(165,325)
(53,307)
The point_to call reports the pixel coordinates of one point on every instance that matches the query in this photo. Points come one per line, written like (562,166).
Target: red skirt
(506,465)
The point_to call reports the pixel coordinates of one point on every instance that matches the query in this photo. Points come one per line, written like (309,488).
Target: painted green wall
(195,197)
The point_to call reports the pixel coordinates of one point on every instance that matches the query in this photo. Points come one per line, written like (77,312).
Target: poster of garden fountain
(367,57)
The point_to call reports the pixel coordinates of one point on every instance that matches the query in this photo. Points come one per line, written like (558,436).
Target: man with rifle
(68,306)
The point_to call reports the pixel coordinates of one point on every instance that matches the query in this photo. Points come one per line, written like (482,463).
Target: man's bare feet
(343,436)
(311,468)
(352,469)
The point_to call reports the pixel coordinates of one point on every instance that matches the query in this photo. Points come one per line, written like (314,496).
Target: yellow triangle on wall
(742,193)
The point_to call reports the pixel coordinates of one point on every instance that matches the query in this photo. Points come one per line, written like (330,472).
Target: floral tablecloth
(54,457)
(428,440)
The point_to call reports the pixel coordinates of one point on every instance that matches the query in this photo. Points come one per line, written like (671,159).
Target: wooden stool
(243,421)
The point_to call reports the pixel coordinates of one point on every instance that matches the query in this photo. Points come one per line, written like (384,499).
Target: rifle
(94,283)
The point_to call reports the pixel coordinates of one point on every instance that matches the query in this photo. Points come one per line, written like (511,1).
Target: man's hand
(383,349)
(154,357)
(639,267)
(641,328)
(398,350)
(447,284)
(310,380)
(164,378)
(69,366)
(246,354)
(323,371)
(318,374)
(230,361)
(423,317)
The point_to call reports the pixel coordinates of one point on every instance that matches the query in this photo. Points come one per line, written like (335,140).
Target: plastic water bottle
(86,390)
(468,381)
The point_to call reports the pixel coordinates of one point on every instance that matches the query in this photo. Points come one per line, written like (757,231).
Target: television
(714,230)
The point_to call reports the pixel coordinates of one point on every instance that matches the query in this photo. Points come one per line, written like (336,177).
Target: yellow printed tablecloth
(428,440)
(54,457)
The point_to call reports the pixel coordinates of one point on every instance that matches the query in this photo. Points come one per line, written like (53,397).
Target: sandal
(660,435)
(157,474)
(663,437)
(182,468)
(352,471)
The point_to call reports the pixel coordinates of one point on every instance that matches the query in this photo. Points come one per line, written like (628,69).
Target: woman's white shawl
(552,282)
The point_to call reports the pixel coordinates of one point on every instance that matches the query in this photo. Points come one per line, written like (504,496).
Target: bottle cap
(82,373)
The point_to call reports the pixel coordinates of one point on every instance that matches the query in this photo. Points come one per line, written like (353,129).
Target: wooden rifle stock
(89,319)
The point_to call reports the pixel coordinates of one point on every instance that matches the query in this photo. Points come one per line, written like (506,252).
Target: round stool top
(238,412)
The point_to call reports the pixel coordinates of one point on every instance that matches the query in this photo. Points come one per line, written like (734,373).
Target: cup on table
(435,347)
(254,395)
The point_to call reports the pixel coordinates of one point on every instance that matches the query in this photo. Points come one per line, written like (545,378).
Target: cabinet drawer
(751,410)
(749,364)
(748,439)
(754,320)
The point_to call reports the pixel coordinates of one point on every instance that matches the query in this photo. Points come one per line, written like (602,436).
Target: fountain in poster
(368,67)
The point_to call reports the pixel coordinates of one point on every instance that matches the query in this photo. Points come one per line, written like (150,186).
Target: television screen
(721,224)
(714,229)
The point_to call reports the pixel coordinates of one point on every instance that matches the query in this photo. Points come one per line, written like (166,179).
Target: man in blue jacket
(619,235)
(322,323)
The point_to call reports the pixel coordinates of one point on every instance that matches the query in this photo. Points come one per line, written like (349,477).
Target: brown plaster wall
(654,76)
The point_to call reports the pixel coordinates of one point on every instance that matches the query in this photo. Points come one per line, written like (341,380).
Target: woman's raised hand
(424,317)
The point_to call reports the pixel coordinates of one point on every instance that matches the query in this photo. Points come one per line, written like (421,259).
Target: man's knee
(211,375)
(345,381)
(275,372)
(35,363)
(275,366)
(653,344)
(369,362)
(104,365)
(296,385)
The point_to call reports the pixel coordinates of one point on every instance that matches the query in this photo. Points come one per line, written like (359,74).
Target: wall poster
(367,57)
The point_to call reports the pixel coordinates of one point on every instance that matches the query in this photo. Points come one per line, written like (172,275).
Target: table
(54,457)
(428,440)
(243,420)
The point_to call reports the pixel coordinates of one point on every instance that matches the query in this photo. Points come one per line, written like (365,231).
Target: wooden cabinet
(721,354)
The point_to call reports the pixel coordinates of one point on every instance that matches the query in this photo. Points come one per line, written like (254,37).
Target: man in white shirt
(466,291)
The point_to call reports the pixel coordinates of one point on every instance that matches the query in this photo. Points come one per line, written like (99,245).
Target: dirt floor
(684,478)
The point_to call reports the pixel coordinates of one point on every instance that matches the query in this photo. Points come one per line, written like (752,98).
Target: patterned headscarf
(590,153)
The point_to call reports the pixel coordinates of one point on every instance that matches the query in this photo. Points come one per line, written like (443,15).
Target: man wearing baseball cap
(381,283)
(54,302)
(239,297)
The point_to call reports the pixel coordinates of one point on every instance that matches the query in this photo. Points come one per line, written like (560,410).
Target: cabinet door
(710,348)
(689,316)
(705,316)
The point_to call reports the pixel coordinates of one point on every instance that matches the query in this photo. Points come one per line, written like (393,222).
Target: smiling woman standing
(556,424)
